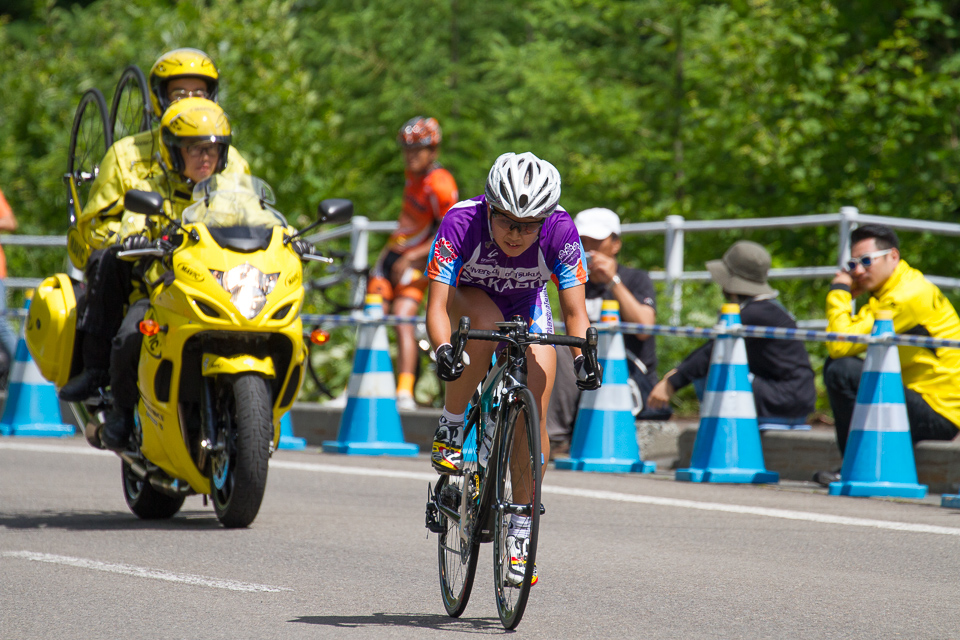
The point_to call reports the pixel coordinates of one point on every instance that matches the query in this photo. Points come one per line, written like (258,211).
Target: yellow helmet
(181,63)
(188,122)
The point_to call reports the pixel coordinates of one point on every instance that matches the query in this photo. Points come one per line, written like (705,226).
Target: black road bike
(475,506)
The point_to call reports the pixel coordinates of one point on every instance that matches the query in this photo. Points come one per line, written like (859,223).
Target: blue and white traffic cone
(879,456)
(287,439)
(370,424)
(605,433)
(32,407)
(727,448)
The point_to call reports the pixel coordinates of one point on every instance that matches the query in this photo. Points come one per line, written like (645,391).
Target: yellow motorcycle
(223,353)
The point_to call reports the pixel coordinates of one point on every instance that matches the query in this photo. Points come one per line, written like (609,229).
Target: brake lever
(590,352)
(461,343)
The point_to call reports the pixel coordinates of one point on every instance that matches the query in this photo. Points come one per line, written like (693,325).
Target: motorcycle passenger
(131,163)
(492,258)
(195,143)
(398,276)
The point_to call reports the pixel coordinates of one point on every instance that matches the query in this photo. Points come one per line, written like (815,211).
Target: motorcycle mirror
(146,202)
(335,210)
(330,210)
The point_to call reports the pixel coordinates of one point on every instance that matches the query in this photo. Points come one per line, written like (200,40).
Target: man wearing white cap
(633,289)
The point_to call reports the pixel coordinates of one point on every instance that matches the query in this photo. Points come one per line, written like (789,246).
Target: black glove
(136,241)
(302,247)
(447,369)
(586,379)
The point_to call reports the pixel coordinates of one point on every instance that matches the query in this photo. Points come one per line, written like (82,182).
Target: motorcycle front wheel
(239,472)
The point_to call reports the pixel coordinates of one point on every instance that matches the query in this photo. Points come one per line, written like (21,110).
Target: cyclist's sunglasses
(500,219)
(866,260)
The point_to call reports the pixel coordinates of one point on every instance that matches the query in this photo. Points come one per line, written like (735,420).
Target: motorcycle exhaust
(134,464)
(158,480)
(169,486)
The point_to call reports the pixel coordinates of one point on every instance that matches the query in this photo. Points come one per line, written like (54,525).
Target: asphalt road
(339,551)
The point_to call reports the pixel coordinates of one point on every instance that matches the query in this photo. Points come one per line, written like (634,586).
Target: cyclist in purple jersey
(491,259)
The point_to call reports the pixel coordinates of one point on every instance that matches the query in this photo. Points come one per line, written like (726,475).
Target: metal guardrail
(741,331)
(673,228)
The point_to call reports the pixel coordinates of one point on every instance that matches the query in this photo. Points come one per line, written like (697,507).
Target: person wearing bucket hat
(633,290)
(782,378)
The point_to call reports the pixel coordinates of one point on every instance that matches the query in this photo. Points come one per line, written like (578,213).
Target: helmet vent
(523,201)
(504,193)
(528,175)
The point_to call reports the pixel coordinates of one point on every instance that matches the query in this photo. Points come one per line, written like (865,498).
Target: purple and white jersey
(464,253)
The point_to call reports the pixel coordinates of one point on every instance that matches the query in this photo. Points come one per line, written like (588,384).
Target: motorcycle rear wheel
(239,473)
(144,501)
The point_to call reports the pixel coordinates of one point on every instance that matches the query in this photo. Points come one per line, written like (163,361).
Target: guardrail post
(848,220)
(673,256)
(359,247)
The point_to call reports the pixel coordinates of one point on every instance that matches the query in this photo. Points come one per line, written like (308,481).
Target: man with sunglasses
(138,161)
(931,377)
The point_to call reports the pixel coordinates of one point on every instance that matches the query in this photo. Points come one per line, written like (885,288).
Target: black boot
(81,387)
(116,431)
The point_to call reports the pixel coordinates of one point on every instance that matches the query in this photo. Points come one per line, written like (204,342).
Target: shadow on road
(416,620)
(104,520)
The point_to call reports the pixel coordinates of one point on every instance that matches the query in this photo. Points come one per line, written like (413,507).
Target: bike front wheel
(458,548)
(519,471)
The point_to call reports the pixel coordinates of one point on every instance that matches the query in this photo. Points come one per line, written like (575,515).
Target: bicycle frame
(496,391)
(499,386)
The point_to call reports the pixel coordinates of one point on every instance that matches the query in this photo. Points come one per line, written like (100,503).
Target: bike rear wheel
(90,138)
(518,477)
(130,111)
(458,552)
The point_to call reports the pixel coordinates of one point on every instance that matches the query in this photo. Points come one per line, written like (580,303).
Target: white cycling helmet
(523,185)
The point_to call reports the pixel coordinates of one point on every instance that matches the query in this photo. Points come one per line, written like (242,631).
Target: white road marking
(143,572)
(785,514)
(54,448)
(613,496)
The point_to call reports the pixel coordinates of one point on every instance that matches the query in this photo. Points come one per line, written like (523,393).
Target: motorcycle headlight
(248,287)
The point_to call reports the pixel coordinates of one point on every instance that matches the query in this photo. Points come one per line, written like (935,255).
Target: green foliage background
(742,108)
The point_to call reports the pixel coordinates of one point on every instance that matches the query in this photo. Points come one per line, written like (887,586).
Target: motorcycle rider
(195,143)
(131,163)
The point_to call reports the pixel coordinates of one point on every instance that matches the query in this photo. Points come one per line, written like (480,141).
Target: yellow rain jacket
(919,308)
(131,163)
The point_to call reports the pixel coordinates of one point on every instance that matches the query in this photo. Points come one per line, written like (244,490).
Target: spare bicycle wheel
(131,111)
(90,138)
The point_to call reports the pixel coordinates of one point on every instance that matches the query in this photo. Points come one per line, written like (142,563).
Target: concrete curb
(795,455)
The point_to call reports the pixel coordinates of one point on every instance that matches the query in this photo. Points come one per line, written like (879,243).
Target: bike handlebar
(515,332)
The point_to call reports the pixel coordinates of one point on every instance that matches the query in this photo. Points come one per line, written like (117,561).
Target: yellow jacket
(132,163)
(919,308)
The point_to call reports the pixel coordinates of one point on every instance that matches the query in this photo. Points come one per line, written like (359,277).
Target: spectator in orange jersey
(398,275)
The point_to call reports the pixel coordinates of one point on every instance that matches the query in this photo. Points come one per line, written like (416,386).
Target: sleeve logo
(570,253)
(443,252)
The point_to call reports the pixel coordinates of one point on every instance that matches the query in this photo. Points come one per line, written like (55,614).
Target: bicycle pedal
(432,520)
